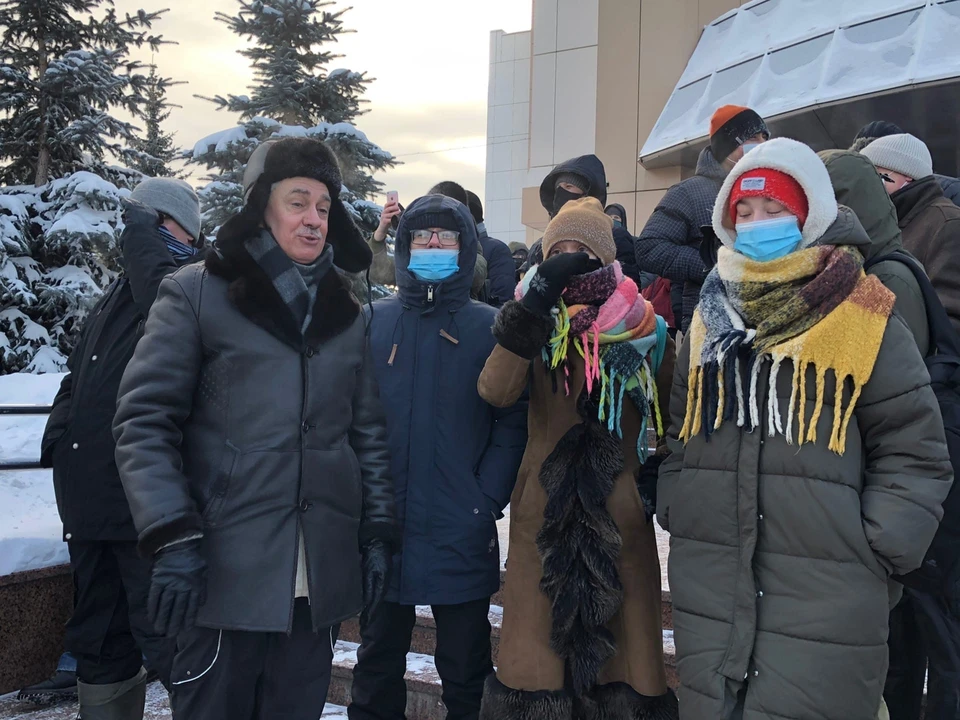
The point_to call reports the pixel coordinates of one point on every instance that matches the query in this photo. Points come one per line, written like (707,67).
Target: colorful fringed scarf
(815,308)
(620,338)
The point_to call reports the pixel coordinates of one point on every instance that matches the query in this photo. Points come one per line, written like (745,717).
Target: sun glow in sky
(430,59)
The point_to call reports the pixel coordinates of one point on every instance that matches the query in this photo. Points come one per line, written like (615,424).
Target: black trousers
(462,657)
(924,638)
(109,632)
(238,675)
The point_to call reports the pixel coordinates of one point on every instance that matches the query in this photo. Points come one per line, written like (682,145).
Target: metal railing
(20,463)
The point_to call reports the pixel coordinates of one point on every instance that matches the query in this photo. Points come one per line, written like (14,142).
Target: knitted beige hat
(904,153)
(583,221)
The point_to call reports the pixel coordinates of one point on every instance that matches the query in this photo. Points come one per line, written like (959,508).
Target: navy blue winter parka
(454,458)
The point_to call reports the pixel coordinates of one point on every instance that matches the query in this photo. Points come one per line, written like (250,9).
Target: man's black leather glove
(377,563)
(177,588)
(136,213)
(552,277)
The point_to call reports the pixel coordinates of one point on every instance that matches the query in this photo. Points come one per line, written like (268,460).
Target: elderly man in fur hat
(252,445)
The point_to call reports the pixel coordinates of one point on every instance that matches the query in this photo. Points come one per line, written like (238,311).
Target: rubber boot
(114,701)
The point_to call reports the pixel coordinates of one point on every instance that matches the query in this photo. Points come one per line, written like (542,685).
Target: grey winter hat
(174,198)
(904,153)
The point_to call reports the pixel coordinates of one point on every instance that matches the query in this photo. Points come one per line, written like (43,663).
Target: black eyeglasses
(447,238)
(886,178)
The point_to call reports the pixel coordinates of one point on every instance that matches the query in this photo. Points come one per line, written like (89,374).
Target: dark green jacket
(857,185)
(780,555)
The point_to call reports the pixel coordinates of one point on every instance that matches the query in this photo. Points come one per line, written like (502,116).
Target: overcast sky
(430,59)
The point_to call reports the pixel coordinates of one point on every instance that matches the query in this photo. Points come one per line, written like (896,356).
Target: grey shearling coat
(233,424)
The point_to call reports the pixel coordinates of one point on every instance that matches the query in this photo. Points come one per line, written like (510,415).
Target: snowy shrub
(59,252)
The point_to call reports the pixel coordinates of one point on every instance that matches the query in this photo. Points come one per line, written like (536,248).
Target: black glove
(136,213)
(177,588)
(377,564)
(551,280)
(647,485)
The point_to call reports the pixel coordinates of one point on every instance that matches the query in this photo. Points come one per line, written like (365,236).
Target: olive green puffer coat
(780,555)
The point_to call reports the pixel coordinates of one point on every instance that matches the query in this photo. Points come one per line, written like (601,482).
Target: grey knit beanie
(576,180)
(904,153)
(174,198)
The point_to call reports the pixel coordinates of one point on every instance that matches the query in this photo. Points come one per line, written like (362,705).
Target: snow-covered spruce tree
(64,68)
(293,95)
(158,147)
(58,252)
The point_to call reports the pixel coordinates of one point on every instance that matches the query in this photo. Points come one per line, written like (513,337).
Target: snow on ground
(30,529)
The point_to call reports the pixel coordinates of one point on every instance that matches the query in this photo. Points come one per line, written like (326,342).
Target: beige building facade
(591,61)
(635,82)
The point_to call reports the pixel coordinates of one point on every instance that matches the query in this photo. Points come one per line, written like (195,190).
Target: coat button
(304,505)
(94,358)
(310,352)
(760,594)
(68,536)
(760,517)
(76,446)
(476,511)
(756,673)
(305,427)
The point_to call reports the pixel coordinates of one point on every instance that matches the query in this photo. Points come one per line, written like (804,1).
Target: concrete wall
(508,132)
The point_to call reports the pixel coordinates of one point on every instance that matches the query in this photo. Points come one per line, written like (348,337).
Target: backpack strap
(943,337)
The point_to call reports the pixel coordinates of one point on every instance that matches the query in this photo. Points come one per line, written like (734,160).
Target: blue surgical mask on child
(766,240)
(433,265)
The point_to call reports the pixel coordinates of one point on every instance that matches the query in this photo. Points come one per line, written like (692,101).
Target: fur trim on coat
(522,331)
(579,545)
(619,701)
(254,295)
(503,703)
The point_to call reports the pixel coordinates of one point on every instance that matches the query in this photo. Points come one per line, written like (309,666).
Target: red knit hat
(773,184)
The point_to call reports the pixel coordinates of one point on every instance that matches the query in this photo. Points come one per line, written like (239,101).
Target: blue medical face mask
(766,240)
(434,265)
(747,147)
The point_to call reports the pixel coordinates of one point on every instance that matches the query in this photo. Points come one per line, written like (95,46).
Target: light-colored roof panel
(780,56)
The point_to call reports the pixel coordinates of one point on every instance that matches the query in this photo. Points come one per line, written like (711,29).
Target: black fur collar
(254,295)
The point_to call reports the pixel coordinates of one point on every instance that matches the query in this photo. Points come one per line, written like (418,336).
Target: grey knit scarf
(290,279)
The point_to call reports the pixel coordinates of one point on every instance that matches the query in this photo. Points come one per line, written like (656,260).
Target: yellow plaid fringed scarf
(815,308)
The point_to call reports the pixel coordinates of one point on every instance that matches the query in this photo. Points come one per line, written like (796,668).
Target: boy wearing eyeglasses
(454,460)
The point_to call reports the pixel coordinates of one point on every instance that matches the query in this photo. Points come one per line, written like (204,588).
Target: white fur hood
(799,162)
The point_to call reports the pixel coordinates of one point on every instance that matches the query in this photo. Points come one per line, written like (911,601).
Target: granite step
(423,682)
(424,638)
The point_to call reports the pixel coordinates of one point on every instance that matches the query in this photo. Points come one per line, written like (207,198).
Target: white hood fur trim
(803,165)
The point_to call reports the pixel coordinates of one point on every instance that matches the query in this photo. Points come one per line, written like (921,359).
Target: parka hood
(708,167)
(437,211)
(799,162)
(857,186)
(588,167)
